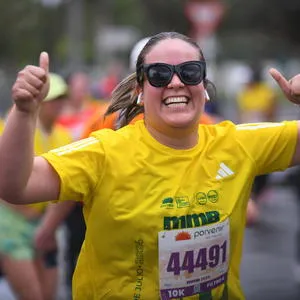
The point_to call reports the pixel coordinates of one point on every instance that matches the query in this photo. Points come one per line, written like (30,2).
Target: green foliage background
(250,28)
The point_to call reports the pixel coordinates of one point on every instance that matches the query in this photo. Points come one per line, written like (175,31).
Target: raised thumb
(44,61)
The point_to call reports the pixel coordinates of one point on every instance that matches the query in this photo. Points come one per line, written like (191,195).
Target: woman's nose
(175,82)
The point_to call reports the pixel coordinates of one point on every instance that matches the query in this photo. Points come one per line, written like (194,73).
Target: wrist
(25,112)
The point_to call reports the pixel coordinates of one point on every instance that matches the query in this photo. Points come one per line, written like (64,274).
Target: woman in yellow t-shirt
(33,274)
(164,199)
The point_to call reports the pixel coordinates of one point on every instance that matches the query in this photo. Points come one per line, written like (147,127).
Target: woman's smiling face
(176,105)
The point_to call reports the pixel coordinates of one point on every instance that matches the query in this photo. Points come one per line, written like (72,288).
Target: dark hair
(124,96)
(256,74)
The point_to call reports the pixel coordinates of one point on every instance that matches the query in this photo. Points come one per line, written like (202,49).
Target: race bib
(193,260)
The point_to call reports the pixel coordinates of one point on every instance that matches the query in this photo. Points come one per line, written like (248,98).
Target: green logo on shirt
(200,198)
(213,196)
(181,201)
(167,203)
(190,221)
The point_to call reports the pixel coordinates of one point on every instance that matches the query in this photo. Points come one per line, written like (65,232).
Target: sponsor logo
(224,171)
(213,196)
(183,236)
(167,203)
(190,221)
(200,198)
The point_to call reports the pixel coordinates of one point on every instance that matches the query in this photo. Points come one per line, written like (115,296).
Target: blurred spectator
(135,51)
(80,108)
(256,103)
(257,100)
(32,274)
(80,105)
(111,79)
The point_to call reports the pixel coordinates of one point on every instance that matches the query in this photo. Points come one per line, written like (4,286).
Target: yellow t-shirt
(255,101)
(137,192)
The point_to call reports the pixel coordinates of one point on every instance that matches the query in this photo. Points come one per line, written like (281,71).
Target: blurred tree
(250,28)
(165,16)
(262,29)
(26,28)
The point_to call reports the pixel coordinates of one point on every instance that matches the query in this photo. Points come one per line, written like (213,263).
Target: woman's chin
(184,124)
(182,121)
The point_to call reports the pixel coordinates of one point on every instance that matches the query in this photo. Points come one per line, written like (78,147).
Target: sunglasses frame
(174,69)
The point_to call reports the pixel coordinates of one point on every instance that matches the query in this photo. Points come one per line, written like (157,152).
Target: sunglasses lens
(159,75)
(191,73)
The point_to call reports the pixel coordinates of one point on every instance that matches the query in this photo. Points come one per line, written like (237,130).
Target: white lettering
(176,293)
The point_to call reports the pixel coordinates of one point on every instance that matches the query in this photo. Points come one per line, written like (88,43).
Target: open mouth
(176,101)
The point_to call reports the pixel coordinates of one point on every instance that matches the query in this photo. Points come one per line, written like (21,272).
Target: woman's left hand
(290,88)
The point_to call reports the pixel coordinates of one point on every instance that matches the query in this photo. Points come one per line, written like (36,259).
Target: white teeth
(174,100)
(177,105)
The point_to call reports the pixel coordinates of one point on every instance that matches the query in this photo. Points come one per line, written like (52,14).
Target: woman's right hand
(32,85)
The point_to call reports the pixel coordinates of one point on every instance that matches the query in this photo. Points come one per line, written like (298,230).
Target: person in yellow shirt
(257,102)
(33,274)
(165,198)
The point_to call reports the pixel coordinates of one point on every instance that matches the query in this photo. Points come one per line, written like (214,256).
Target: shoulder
(222,128)
(266,133)
(127,133)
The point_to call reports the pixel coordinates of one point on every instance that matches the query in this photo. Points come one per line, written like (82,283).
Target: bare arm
(291,89)
(56,213)
(53,217)
(23,178)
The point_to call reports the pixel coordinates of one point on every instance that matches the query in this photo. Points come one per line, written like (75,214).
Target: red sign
(205,16)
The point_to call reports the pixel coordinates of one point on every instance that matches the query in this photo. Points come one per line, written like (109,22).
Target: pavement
(269,256)
(269,251)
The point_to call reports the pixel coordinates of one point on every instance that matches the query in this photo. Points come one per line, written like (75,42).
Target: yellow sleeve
(79,166)
(270,145)
(1,126)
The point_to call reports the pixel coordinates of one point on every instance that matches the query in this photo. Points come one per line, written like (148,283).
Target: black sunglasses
(161,74)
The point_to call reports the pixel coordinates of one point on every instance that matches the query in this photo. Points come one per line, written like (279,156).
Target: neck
(177,138)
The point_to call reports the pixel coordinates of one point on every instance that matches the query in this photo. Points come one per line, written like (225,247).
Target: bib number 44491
(203,258)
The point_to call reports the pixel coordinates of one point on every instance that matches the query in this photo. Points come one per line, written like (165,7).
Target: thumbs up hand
(32,85)
(290,88)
